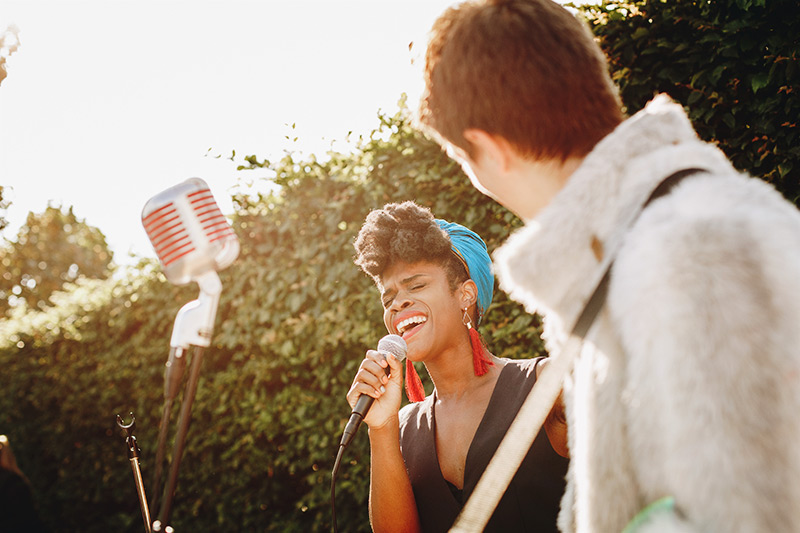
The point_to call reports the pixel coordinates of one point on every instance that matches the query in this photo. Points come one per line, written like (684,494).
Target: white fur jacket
(688,384)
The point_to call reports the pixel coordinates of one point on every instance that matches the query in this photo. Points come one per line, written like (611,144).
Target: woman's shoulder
(416,414)
(523,369)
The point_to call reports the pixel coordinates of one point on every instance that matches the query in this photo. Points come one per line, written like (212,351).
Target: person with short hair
(682,403)
(436,285)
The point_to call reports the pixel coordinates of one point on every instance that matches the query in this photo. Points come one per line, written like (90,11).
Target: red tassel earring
(414,389)
(480,358)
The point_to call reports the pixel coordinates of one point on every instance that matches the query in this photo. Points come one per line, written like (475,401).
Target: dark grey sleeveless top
(531,501)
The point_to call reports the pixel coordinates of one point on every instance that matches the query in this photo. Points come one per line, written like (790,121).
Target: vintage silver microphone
(193,241)
(189,232)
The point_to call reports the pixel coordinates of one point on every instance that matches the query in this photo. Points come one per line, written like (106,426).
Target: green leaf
(717,73)
(640,33)
(694,96)
(728,119)
(759,81)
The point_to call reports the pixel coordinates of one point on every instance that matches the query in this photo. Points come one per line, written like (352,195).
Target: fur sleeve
(706,298)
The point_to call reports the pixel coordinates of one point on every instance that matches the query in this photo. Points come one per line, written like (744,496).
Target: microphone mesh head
(188,231)
(395,345)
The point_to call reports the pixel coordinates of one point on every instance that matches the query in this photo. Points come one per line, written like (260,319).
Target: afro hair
(405,232)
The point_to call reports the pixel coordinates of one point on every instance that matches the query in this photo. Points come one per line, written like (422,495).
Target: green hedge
(735,65)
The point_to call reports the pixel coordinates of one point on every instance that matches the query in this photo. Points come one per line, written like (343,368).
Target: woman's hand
(371,379)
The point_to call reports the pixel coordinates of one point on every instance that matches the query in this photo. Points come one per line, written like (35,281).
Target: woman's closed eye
(389,297)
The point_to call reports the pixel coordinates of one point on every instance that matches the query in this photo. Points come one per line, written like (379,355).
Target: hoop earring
(480,357)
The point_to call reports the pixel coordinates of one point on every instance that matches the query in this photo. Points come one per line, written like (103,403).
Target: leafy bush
(52,248)
(732,63)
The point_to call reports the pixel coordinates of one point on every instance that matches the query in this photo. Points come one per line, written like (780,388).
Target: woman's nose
(400,302)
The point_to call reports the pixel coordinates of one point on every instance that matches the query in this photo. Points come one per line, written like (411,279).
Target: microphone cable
(334,473)
(395,345)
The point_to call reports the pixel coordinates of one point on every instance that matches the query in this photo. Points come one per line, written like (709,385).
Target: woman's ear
(469,293)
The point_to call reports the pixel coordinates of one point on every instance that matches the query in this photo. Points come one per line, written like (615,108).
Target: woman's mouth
(409,326)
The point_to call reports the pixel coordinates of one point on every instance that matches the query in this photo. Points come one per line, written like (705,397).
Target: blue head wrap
(471,249)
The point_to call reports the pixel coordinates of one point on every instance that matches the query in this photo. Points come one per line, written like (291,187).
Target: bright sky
(109,102)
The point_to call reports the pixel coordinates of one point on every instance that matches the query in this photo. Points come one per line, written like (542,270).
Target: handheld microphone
(390,344)
(188,231)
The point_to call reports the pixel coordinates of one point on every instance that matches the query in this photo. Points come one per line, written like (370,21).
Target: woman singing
(435,284)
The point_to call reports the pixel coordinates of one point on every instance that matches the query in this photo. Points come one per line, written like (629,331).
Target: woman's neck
(453,374)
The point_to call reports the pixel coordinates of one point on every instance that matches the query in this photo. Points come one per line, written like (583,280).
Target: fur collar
(554,263)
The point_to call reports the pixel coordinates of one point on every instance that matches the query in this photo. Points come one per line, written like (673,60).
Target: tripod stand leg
(133,455)
(137,476)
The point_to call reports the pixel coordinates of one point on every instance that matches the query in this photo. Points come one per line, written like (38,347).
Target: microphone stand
(180,436)
(173,373)
(192,330)
(133,455)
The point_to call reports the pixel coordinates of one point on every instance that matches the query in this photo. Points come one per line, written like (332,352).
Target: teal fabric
(472,250)
(663,505)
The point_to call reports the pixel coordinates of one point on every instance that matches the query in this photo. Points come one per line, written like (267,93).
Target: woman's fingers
(395,367)
(370,378)
(373,369)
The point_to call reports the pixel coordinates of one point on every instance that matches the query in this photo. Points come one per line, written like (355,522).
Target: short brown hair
(526,70)
(405,232)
